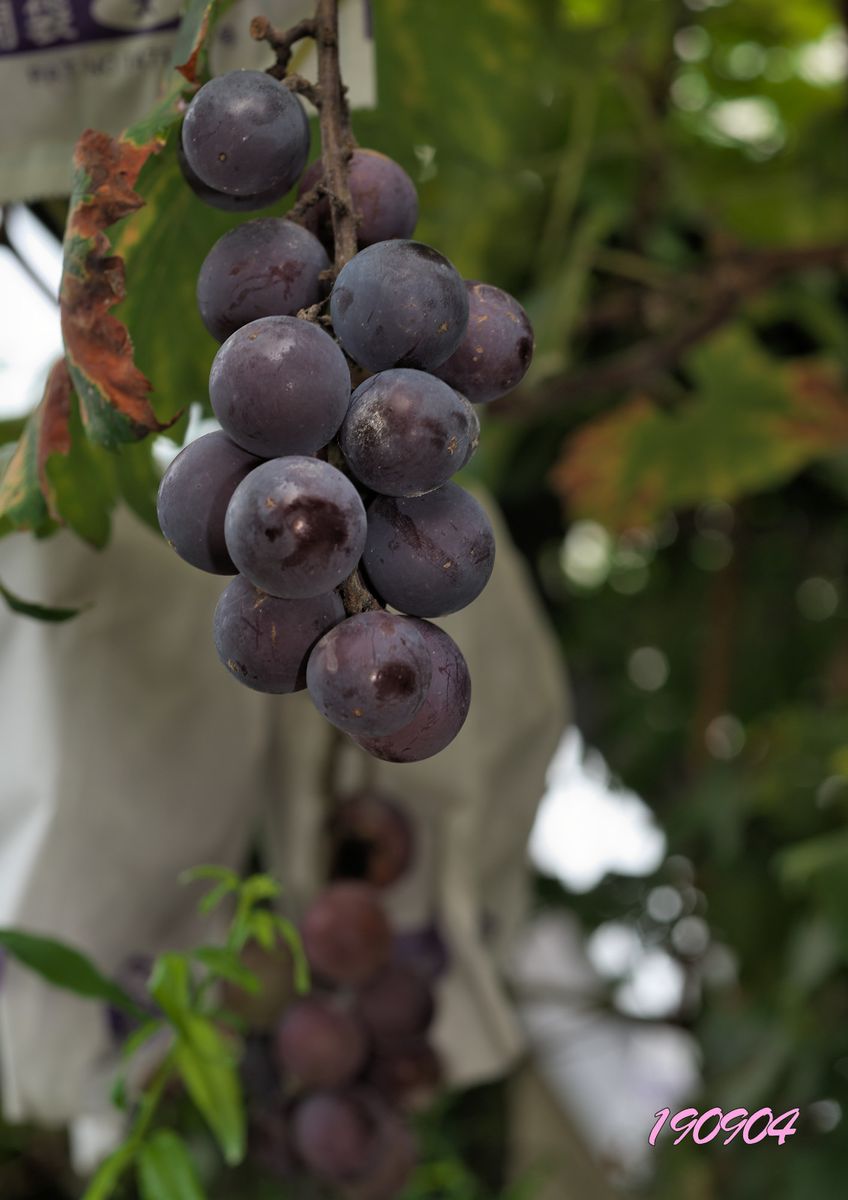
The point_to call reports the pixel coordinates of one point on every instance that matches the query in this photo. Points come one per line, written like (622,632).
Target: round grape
(395,1160)
(443,713)
(335,1135)
(265,642)
(423,950)
(275,971)
(222,200)
(320,1044)
(263,268)
(295,527)
(370,674)
(193,497)
(384,199)
(409,1073)
(396,1004)
(431,555)
(371,839)
(346,934)
(495,352)
(407,432)
(399,304)
(280,386)
(244,133)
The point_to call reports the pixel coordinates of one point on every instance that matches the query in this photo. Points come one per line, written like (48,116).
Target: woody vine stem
(329,96)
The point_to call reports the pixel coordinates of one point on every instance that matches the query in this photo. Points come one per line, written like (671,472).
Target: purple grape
(336,1135)
(407,432)
(395,1160)
(396,1004)
(384,199)
(193,497)
(222,200)
(133,977)
(371,839)
(443,713)
(295,527)
(274,969)
(423,950)
(264,642)
(320,1044)
(495,352)
(409,1073)
(244,133)
(280,386)
(370,674)
(270,1142)
(399,304)
(346,934)
(263,268)
(431,555)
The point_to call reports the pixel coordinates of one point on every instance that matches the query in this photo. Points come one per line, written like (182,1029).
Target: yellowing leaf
(751,424)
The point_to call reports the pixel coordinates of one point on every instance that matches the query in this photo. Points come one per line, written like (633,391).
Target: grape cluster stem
(329,96)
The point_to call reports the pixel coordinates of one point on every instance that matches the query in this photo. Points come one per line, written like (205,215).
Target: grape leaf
(25,500)
(751,424)
(227,965)
(114,393)
(108,1174)
(208,1068)
(166,1170)
(41,612)
(65,967)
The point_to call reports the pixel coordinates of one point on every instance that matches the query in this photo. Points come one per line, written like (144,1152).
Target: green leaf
(83,485)
(211,871)
(108,1175)
(166,1170)
(227,965)
(259,887)
(65,968)
(213,898)
(169,986)
(25,500)
(260,926)
(290,935)
(799,863)
(751,424)
(207,1065)
(41,612)
(139,1036)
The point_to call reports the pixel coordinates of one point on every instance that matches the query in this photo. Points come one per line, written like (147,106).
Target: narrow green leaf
(208,1068)
(212,899)
(210,871)
(133,1043)
(40,612)
(259,887)
(108,1174)
(166,1170)
(227,965)
(169,986)
(261,927)
(65,968)
(290,935)
(141,1035)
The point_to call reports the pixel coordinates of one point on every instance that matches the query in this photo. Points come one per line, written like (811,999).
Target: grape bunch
(334,1077)
(334,506)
